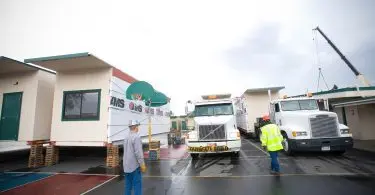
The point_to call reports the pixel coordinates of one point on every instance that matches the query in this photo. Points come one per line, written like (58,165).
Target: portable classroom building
(26,96)
(252,104)
(182,123)
(90,108)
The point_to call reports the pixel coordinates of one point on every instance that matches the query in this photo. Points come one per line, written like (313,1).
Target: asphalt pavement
(304,173)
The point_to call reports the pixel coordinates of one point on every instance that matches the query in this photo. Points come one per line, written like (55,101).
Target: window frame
(213,106)
(96,118)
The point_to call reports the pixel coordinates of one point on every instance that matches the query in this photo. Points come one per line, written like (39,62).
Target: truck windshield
(299,105)
(213,110)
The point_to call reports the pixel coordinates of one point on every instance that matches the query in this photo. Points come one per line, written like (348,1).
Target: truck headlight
(191,136)
(299,133)
(345,131)
(235,135)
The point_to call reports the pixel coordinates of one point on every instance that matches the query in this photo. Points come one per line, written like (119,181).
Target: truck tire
(194,156)
(286,145)
(257,134)
(339,153)
(236,154)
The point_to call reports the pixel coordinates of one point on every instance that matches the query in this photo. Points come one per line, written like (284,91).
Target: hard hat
(266,117)
(133,123)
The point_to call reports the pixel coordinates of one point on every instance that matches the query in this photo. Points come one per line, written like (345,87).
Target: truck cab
(215,128)
(306,128)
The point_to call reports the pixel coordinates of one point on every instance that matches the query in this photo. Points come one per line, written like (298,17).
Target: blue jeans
(274,162)
(133,180)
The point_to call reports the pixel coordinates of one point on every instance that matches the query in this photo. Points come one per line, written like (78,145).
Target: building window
(81,105)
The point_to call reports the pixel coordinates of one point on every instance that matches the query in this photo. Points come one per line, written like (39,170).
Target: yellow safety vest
(271,137)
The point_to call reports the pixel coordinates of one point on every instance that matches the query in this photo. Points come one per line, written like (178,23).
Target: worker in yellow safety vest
(271,139)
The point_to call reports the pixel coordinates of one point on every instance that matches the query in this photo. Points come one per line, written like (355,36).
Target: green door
(174,125)
(10,116)
(183,125)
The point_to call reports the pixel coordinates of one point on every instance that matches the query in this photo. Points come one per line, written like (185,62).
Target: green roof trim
(344,90)
(338,91)
(59,57)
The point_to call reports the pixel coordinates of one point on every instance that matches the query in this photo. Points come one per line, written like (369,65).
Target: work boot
(276,173)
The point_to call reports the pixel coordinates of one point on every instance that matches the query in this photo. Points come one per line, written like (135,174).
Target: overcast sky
(186,49)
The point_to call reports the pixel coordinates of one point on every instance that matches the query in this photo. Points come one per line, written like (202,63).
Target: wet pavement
(177,173)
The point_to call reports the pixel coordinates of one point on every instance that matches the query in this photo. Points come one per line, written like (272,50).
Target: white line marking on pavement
(260,157)
(99,185)
(57,173)
(269,175)
(256,147)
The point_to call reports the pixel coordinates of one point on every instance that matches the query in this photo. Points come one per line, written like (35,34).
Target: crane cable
(315,38)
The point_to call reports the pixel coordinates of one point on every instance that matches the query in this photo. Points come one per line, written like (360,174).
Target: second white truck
(306,128)
(215,127)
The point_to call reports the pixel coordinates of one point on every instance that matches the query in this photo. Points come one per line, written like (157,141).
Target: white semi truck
(306,128)
(215,127)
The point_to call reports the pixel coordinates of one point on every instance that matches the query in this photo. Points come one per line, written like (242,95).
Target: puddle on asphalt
(103,170)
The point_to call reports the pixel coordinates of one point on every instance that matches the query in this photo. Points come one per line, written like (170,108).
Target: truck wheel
(236,154)
(340,152)
(257,134)
(286,145)
(194,156)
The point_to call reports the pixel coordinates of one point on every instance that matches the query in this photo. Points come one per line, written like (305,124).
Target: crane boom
(359,76)
(355,71)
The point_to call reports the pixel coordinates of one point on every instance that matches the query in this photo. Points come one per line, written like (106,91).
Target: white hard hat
(133,123)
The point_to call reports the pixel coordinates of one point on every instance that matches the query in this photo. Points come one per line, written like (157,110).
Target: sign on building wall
(122,110)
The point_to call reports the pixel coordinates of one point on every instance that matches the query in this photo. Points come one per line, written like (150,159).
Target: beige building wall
(367,122)
(257,105)
(44,102)
(76,132)
(339,113)
(361,121)
(34,123)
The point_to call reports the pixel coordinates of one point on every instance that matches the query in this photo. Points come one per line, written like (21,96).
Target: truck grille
(219,132)
(324,126)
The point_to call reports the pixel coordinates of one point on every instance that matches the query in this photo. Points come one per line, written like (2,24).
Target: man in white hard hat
(133,160)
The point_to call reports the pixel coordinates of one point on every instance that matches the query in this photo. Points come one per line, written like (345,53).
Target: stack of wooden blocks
(154,150)
(36,156)
(52,155)
(113,158)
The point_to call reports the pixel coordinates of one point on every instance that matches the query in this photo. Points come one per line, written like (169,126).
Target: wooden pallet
(154,154)
(52,155)
(113,158)
(154,144)
(36,158)
(37,142)
(112,150)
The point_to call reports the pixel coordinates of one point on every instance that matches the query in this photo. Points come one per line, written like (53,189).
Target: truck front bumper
(223,146)
(335,144)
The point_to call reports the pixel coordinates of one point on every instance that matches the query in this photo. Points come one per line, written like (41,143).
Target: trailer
(251,106)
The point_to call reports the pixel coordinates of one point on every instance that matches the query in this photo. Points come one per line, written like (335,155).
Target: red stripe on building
(60,184)
(123,76)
